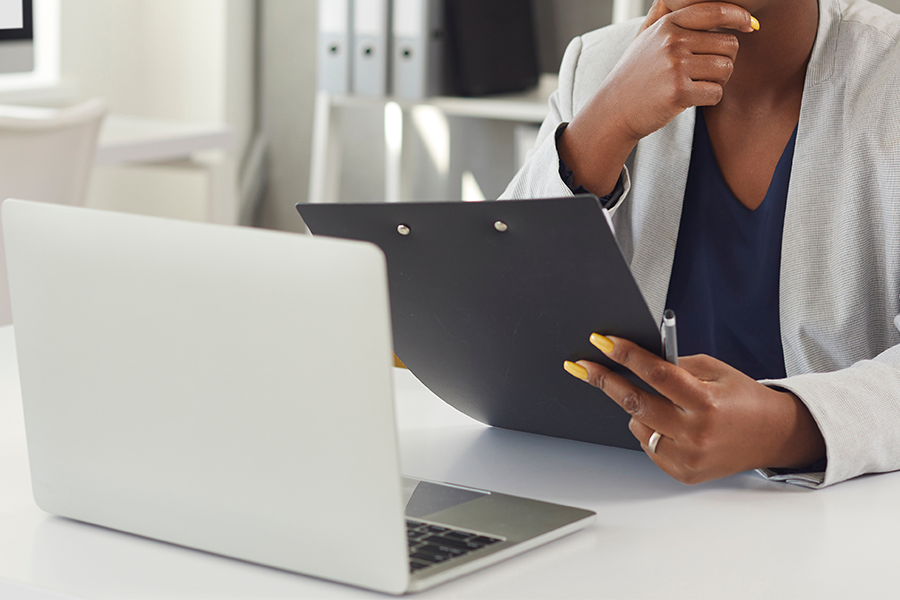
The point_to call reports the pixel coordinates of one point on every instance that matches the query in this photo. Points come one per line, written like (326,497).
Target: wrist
(596,157)
(800,443)
(568,178)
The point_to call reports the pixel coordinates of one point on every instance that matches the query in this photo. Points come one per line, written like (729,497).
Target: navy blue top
(725,279)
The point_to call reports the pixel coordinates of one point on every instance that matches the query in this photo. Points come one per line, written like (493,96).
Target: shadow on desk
(94,562)
(91,561)
(552,469)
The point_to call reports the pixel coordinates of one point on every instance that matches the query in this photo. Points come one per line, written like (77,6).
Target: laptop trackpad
(424,497)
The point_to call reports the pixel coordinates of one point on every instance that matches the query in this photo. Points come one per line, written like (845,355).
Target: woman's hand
(714,420)
(679,59)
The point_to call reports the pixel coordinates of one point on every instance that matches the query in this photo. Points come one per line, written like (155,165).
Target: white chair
(45,155)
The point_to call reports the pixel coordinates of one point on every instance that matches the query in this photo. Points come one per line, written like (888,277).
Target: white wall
(288,81)
(173,59)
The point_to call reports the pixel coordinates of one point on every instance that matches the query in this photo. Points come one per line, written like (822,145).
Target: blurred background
(250,66)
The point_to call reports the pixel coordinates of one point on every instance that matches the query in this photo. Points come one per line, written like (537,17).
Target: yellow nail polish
(576,370)
(604,344)
(754,23)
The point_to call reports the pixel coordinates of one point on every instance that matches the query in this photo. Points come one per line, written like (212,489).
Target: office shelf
(528,107)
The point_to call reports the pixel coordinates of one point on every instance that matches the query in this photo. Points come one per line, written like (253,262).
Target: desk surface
(654,538)
(142,140)
(125,139)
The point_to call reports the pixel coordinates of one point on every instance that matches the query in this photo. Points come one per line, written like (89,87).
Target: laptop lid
(190,383)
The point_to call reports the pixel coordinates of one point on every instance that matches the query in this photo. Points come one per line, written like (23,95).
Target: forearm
(595,149)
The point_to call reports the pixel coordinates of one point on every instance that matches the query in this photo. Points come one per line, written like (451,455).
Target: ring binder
(371,45)
(335,66)
(421,61)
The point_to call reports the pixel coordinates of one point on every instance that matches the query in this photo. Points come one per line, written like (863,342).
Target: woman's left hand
(714,421)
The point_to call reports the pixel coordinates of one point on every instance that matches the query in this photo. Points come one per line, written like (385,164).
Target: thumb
(657,11)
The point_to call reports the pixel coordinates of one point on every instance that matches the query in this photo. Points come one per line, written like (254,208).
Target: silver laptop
(230,390)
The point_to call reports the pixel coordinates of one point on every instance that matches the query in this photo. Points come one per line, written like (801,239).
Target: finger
(706,16)
(644,435)
(714,69)
(712,43)
(657,11)
(705,93)
(648,408)
(703,80)
(666,453)
(673,382)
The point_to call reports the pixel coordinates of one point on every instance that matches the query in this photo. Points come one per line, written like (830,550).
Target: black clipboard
(488,299)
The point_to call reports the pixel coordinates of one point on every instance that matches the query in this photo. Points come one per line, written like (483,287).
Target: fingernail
(576,370)
(604,344)
(754,23)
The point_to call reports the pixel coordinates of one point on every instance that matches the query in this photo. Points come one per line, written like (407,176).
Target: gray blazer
(840,266)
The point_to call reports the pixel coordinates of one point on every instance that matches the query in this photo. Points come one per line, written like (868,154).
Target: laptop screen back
(177,376)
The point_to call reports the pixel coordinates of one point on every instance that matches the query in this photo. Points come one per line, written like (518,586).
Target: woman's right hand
(678,60)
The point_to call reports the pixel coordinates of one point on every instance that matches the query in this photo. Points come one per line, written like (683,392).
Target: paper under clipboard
(488,299)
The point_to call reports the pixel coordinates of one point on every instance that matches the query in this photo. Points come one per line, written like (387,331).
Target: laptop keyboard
(432,544)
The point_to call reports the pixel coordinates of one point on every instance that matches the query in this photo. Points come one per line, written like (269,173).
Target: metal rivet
(402,229)
(501,226)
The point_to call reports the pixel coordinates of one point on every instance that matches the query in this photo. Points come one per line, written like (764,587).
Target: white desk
(654,538)
(141,140)
(138,140)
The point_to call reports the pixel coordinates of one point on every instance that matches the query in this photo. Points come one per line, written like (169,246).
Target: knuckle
(682,97)
(702,438)
(707,361)
(675,68)
(674,42)
(633,403)
(708,410)
(716,10)
(623,353)
(702,442)
(716,94)
(659,374)
(731,45)
(726,65)
(693,460)
(600,381)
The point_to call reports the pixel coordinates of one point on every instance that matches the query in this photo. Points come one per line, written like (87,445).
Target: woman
(749,153)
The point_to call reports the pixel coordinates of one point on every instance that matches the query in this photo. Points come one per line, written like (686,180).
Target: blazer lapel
(660,166)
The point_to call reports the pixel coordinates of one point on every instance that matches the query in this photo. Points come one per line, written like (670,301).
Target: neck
(770,68)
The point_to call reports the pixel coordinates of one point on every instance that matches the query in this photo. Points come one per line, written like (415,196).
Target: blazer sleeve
(539,177)
(857,410)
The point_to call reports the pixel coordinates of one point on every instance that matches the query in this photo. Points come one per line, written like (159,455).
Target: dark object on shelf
(494,46)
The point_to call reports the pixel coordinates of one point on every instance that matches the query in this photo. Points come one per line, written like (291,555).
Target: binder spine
(335,49)
(420,55)
(372,47)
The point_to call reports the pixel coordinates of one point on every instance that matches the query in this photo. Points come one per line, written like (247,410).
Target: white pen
(670,337)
